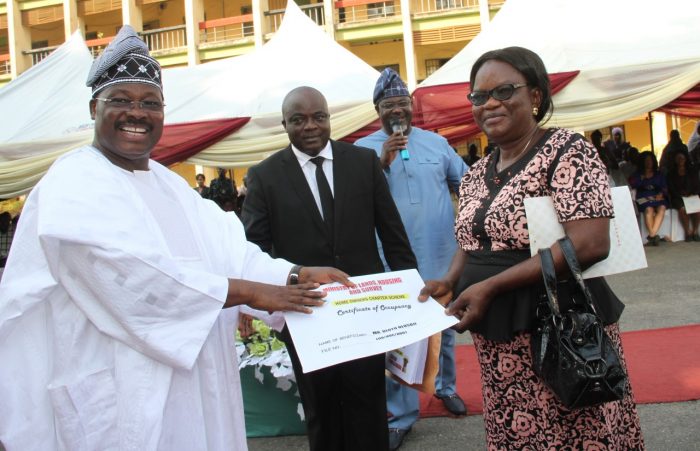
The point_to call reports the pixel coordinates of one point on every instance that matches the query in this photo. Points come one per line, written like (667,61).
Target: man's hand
(391,146)
(324,274)
(245,325)
(273,298)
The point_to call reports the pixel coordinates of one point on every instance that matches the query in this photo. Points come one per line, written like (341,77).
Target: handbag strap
(549,276)
(569,252)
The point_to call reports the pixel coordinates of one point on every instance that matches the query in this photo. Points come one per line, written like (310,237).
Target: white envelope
(626,248)
(692,204)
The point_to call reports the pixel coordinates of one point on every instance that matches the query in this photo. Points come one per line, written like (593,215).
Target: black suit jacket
(281,216)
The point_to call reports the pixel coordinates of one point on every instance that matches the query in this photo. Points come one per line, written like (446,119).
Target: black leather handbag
(570,350)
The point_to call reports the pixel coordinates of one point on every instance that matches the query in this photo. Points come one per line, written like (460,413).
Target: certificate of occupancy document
(382,314)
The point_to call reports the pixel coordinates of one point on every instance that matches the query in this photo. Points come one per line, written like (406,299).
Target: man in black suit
(319,202)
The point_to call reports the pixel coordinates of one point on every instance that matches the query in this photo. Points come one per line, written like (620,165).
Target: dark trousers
(344,405)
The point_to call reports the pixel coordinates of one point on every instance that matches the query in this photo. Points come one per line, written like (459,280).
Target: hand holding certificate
(382,314)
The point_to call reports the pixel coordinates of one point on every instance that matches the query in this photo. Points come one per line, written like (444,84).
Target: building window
(381,9)
(447,4)
(434,64)
(40,44)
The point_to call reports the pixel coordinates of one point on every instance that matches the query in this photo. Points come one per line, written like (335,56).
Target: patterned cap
(125,60)
(389,85)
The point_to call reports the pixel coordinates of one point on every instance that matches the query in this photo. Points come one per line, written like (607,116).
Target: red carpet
(664,366)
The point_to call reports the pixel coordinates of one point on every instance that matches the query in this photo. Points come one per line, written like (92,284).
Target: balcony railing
(431,6)
(5,67)
(357,11)
(39,54)
(315,13)
(96,46)
(226,29)
(165,38)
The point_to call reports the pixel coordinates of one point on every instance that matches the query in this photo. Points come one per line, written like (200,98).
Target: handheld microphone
(397,126)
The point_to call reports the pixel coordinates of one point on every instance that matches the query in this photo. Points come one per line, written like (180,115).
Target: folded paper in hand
(626,249)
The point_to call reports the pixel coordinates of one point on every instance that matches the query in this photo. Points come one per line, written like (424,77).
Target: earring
(535,110)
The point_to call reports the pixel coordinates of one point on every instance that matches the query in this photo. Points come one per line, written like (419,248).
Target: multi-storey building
(414,36)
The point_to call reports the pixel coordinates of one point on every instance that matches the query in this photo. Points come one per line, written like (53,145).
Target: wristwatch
(294,275)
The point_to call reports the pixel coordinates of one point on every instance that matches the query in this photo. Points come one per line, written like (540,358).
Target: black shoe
(453,404)
(655,240)
(396,437)
(696,237)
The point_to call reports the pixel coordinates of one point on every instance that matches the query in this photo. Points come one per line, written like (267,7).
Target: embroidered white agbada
(112,331)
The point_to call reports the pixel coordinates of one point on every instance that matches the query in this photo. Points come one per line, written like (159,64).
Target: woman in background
(201,188)
(651,195)
(683,182)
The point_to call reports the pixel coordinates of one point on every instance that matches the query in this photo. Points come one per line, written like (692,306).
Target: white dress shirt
(309,170)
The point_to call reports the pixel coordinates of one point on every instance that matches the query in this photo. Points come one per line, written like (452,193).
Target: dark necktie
(324,191)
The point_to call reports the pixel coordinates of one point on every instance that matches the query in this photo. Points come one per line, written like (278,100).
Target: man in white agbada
(119,303)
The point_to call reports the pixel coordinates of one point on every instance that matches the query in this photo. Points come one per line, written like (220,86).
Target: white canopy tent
(45,112)
(633,56)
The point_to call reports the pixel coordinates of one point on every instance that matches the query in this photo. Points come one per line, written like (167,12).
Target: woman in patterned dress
(496,280)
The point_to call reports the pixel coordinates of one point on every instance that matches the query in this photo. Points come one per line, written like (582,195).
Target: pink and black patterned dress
(491,226)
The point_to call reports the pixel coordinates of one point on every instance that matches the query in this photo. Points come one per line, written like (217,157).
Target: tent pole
(651,130)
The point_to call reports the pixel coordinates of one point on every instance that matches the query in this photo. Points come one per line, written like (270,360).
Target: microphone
(397,126)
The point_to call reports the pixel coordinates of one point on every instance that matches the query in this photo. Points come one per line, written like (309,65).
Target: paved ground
(665,294)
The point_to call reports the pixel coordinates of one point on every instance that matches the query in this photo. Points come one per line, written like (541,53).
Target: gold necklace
(500,155)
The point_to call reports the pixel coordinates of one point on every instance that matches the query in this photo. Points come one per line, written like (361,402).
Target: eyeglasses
(500,93)
(392,105)
(127,104)
(318,118)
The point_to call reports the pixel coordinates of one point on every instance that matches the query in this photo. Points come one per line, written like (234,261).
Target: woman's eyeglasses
(500,93)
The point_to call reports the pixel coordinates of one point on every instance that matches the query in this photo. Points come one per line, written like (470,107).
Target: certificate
(626,249)
(382,314)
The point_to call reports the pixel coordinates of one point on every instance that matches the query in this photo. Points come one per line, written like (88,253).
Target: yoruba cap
(125,60)
(389,85)
(617,131)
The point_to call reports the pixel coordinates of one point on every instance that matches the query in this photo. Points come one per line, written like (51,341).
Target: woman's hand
(471,305)
(440,290)
(324,274)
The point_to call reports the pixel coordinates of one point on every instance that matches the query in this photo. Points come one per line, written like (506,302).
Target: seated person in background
(611,165)
(683,182)
(472,156)
(7,232)
(201,188)
(675,145)
(223,191)
(617,146)
(694,139)
(242,193)
(651,196)
(629,165)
